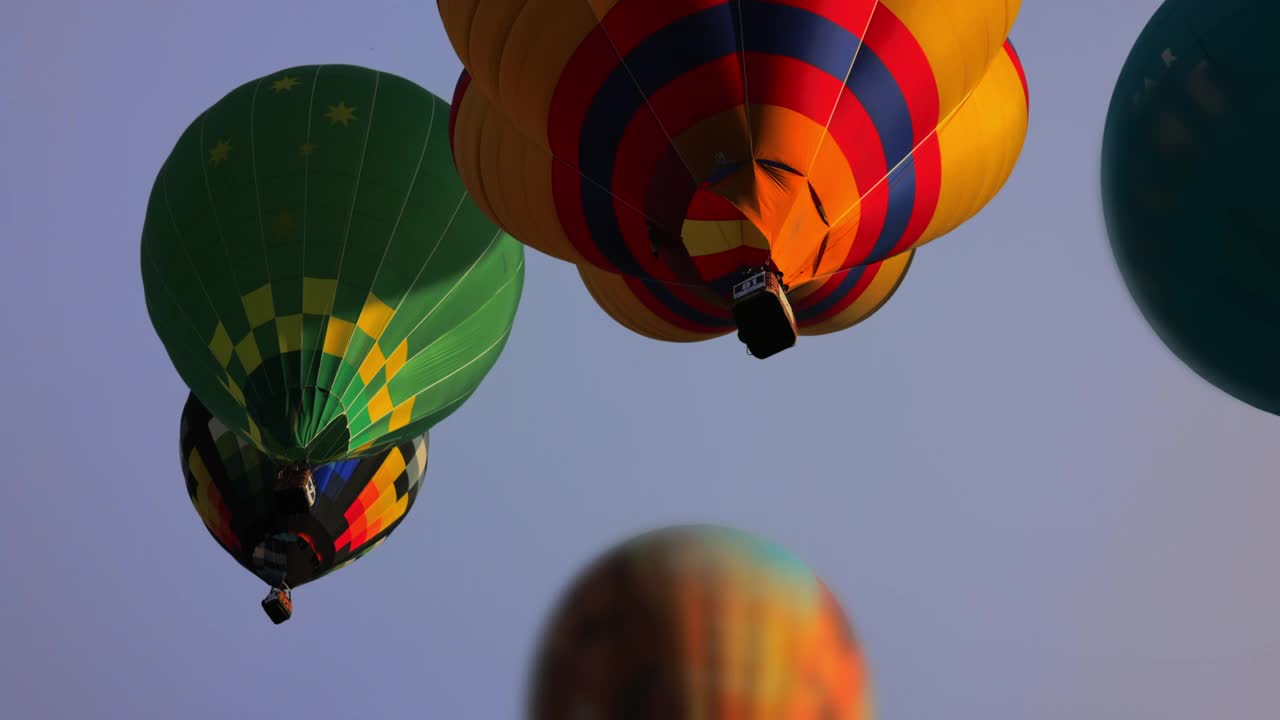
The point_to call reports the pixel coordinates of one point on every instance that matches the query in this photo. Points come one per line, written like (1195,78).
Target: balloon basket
(763,315)
(278,605)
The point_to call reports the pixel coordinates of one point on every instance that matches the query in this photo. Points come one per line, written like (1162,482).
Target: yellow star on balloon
(220,152)
(284,84)
(340,114)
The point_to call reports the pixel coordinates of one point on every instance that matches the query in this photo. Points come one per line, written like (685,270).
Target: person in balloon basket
(295,490)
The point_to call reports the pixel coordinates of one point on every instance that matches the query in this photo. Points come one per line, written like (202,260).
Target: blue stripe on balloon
(815,311)
(902,200)
(666,297)
(704,37)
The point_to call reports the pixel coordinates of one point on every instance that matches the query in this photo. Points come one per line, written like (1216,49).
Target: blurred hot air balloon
(699,622)
(760,163)
(1189,190)
(315,269)
(358,503)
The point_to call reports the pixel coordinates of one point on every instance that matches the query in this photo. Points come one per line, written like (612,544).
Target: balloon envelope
(317,273)
(1189,191)
(359,501)
(668,147)
(699,622)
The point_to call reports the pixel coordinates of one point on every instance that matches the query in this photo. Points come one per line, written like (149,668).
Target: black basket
(763,315)
(278,605)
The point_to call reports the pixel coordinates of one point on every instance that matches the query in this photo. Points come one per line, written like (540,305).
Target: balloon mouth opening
(313,427)
(285,558)
(766,323)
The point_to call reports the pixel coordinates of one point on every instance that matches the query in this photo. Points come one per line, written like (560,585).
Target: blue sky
(1028,506)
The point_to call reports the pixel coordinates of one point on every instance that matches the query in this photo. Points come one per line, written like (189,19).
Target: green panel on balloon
(315,269)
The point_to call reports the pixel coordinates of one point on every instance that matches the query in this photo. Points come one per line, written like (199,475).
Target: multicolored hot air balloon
(760,163)
(699,622)
(315,269)
(359,502)
(1189,191)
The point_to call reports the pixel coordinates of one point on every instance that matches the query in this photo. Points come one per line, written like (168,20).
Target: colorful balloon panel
(1188,191)
(359,501)
(315,269)
(680,142)
(699,622)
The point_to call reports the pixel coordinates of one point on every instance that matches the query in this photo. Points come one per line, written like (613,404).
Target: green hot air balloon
(315,269)
(1189,190)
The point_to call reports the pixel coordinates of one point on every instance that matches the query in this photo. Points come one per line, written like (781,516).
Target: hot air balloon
(698,622)
(315,269)
(768,165)
(358,503)
(1189,195)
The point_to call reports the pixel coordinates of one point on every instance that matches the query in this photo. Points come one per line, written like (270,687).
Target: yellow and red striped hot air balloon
(760,163)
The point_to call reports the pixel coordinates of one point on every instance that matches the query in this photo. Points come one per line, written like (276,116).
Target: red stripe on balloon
(901,54)
(631,22)
(581,79)
(1017,65)
(851,15)
(566,188)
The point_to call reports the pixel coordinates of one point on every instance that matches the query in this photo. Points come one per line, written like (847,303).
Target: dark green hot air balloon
(1189,188)
(358,503)
(315,269)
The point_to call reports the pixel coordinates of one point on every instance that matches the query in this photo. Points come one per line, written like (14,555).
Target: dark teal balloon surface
(1191,192)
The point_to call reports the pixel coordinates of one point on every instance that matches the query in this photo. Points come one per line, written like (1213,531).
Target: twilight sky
(1029,508)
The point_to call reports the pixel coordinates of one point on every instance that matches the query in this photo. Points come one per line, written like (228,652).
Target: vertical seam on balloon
(440,409)
(1009,154)
(616,198)
(844,85)
(495,344)
(262,237)
(303,362)
(742,63)
(346,235)
(826,128)
(412,285)
(437,306)
(490,200)
(471,28)
(502,54)
(446,408)
(943,121)
(462,323)
(394,228)
(212,364)
(932,133)
(222,240)
(623,63)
